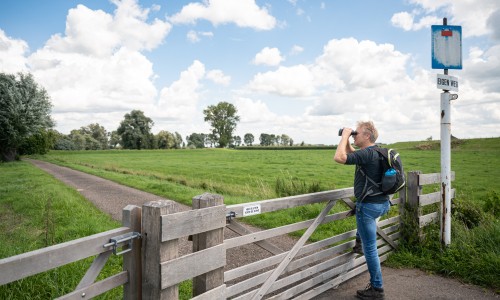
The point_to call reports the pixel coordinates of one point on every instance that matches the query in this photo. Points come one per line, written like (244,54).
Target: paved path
(402,284)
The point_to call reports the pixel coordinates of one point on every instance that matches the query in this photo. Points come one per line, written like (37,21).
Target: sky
(296,67)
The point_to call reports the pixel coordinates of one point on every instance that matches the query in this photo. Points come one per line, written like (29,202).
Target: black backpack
(393,176)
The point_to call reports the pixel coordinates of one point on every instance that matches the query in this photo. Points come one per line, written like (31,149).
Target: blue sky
(301,68)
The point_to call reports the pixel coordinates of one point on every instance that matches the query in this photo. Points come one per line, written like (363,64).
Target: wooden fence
(154,268)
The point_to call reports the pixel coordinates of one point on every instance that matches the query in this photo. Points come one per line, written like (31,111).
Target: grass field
(29,198)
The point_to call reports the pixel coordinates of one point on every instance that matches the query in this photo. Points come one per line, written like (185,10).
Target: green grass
(37,211)
(251,175)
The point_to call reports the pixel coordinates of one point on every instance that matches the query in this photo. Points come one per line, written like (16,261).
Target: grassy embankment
(243,176)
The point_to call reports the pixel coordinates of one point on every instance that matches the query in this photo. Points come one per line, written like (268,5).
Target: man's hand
(341,153)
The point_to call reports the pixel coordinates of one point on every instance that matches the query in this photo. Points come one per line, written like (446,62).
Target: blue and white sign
(446,47)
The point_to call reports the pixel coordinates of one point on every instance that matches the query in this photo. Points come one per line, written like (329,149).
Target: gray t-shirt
(369,160)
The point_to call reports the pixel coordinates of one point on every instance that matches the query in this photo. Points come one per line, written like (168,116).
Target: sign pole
(445,233)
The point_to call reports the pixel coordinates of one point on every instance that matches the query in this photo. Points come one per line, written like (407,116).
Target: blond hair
(369,127)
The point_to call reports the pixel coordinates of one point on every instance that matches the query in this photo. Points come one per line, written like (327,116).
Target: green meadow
(39,209)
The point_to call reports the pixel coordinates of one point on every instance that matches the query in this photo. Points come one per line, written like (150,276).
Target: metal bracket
(121,239)
(230,215)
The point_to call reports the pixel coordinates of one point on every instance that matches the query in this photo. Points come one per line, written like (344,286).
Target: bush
(492,204)
(469,213)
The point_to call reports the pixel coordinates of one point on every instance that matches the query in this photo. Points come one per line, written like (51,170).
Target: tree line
(26,126)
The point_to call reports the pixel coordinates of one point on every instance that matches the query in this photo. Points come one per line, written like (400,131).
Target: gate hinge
(122,241)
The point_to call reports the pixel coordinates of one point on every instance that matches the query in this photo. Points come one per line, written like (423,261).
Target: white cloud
(194,37)
(179,100)
(243,13)
(469,14)
(12,54)
(296,50)
(268,56)
(218,77)
(295,81)
(96,67)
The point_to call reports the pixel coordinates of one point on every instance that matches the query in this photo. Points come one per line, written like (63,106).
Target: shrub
(492,204)
(468,212)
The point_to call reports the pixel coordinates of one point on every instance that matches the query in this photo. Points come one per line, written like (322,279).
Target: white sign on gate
(251,210)
(446,47)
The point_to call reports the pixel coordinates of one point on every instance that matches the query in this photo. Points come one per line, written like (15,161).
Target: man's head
(367,134)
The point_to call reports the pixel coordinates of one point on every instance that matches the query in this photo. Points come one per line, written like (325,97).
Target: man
(368,208)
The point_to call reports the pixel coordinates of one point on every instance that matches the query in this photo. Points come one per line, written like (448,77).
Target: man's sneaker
(370,292)
(358,248)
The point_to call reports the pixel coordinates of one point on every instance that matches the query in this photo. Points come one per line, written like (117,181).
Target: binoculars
(354,132)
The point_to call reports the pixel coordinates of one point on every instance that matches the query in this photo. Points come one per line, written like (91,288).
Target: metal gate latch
(119,241)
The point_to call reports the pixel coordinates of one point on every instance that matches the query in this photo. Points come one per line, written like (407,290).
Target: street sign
(446,82)
(446,47)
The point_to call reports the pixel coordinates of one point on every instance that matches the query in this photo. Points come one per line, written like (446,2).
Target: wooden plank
(270,233)
(190,222)
(291,254)
(297,276)
(186,267)
(216,293)
(339,271)
(424,220)
(264,263)
(131,217)
(205,240)
(432,198)
(334,282)
(97,288)
(155,252)
(236,227)
(94,270)
(386,238)
(292,201)
(30,263)
(252,282)
(388,221)
(425,179)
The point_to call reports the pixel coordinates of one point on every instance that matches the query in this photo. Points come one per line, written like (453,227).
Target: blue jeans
(366,221)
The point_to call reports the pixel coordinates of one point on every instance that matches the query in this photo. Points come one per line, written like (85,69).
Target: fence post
(411,216)
(131,217)
(215,278)
(156,252)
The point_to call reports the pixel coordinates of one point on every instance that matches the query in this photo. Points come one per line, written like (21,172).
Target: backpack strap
(369,192)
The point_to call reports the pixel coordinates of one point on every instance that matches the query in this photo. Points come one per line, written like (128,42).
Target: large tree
(223,119)
(135,131)
(24,111)
(248,139)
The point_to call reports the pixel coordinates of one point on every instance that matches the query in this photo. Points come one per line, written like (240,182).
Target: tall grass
(37,211)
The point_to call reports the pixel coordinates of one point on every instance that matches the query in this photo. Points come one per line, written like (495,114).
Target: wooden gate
(154,268)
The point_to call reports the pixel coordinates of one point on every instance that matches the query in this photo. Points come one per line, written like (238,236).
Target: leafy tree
(236,141)
(196,140)
(285,140)
(248,139)
(178,140)
(114,139)
(38,143)
(223,119)
(24,111)
(266,139)
(166,140)
(135,131)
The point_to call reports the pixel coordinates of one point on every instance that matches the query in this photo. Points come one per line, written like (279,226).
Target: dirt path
(111,198)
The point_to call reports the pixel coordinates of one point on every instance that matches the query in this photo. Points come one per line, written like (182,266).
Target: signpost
(446,54)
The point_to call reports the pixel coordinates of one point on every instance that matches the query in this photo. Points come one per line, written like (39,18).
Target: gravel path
(111,198)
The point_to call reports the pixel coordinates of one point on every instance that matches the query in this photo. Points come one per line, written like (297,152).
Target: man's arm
(344,147)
